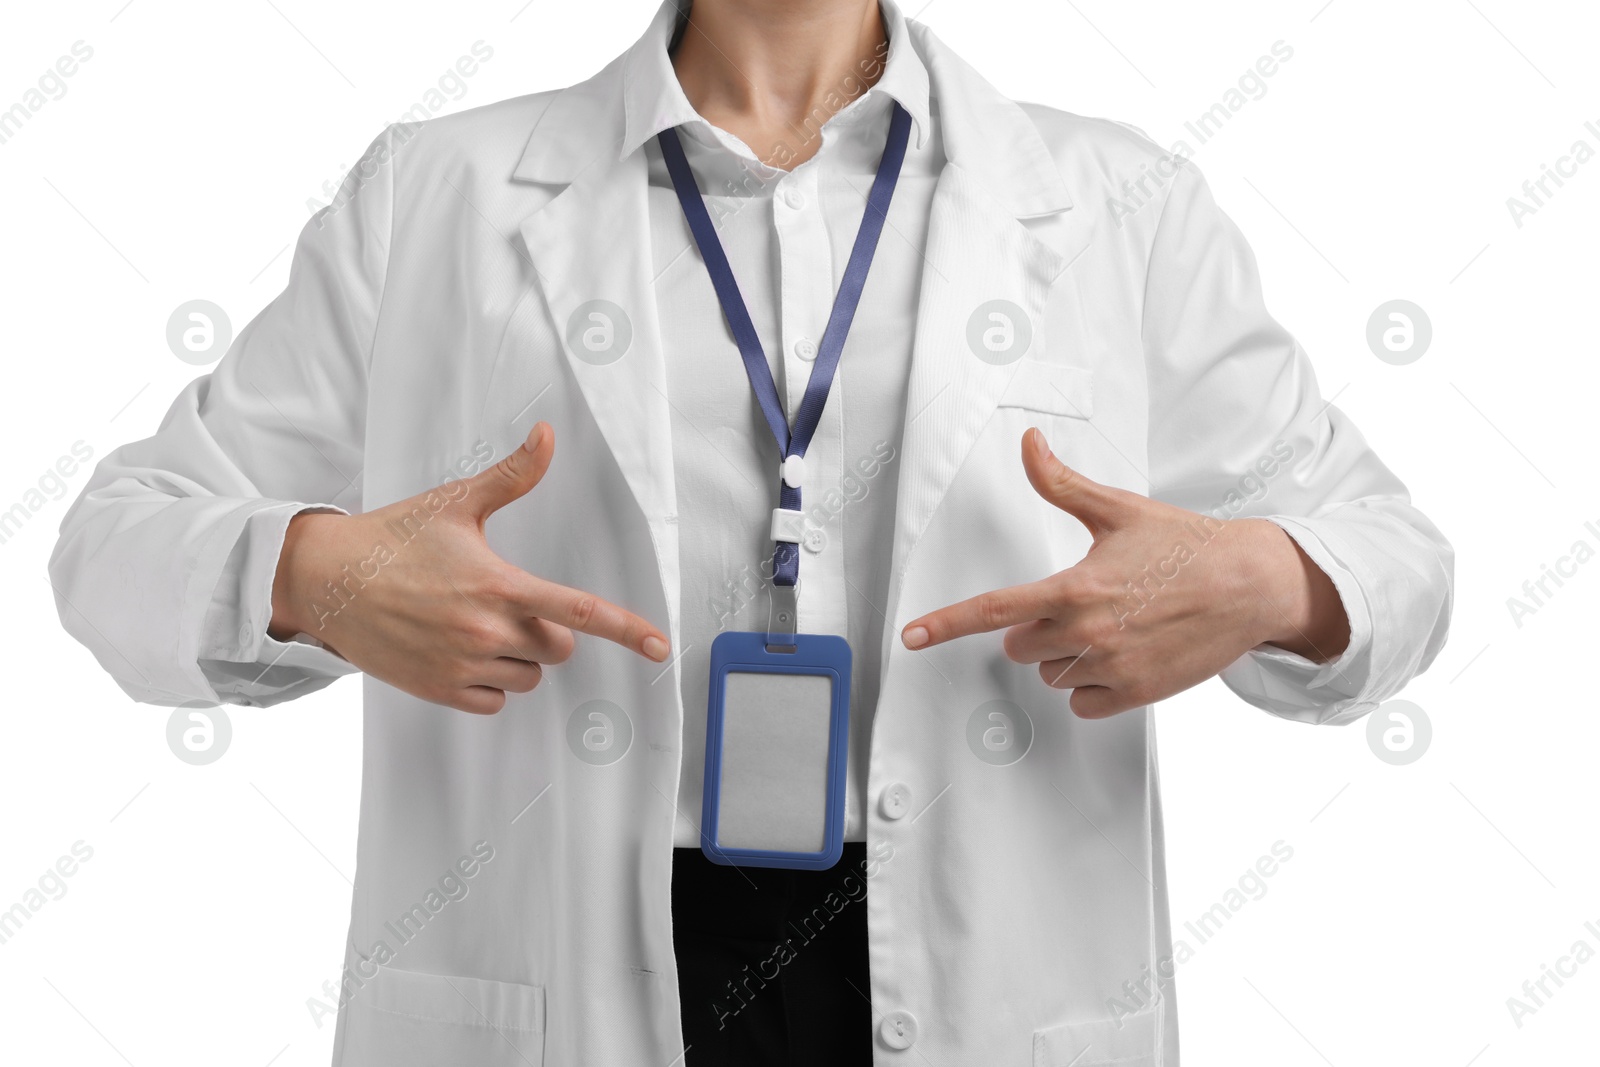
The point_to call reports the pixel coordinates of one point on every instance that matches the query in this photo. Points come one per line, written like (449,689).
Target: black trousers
(772,963)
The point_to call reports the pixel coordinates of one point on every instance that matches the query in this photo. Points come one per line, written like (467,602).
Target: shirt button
(893,803)
(245,633)
(794,198)
(814,540)
(898,1029)
(805,349)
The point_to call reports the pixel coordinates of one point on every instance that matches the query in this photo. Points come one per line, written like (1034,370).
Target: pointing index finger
(983,613)
(597,617)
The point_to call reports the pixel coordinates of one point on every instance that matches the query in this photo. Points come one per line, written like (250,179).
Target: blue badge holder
(776,799)
(790,655)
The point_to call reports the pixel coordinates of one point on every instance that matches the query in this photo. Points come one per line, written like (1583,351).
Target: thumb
(513,476)
(1098,507)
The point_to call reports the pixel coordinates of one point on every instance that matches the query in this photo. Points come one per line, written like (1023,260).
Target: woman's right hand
(412,594)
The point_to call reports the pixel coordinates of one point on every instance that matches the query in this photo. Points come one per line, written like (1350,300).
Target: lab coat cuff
(267,529)
(1288,684)
(1351,664)
(240,659)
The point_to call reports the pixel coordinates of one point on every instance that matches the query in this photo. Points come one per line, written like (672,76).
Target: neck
(771,72)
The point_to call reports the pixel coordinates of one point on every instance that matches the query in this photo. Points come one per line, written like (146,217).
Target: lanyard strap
(786,554)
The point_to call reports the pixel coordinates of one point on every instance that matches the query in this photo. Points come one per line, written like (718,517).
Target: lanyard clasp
(783,620)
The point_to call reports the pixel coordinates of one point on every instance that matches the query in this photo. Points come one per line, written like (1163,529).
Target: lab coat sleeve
(1238,428)
(165,562)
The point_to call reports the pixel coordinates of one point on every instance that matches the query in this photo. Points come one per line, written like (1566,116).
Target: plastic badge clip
(783,620)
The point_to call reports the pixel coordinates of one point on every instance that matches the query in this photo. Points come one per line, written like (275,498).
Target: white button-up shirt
(788,235)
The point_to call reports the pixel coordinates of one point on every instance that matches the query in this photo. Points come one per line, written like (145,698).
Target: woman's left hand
(1164,599)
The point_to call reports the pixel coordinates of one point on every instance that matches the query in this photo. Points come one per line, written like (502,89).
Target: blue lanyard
(786,554)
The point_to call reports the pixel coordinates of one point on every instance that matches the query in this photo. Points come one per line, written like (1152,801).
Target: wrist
(1296,606)
(294,577)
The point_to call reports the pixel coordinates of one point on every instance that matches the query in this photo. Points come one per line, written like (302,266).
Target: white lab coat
(425,319)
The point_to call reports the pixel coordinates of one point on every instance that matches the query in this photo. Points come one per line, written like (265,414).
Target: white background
(179,163)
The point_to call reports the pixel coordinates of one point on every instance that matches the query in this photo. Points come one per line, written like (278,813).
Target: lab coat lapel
(980,260)
(590,246)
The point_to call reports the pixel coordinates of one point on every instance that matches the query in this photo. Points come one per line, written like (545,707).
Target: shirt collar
(653,98)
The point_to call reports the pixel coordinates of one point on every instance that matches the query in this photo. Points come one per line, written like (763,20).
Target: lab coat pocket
(1125,1041)
(1051,388)
(411,1019)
